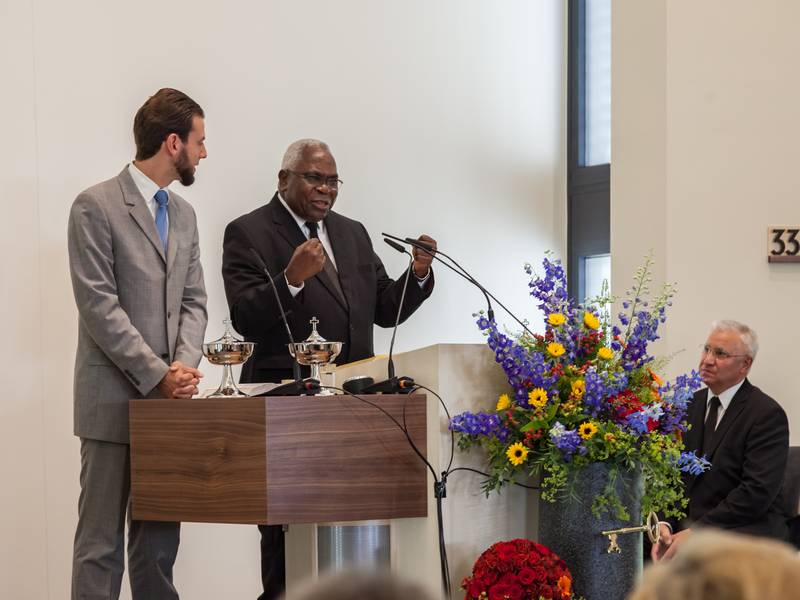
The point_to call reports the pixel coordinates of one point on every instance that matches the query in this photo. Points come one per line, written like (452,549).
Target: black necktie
(711,424)
(327,268)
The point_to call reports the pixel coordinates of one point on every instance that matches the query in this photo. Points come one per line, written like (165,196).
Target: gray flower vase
(569,529)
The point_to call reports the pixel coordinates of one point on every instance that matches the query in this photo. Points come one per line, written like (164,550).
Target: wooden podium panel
(277,460)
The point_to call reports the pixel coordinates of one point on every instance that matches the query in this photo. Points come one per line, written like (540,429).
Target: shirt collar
(301,222)
(726,396)
(146,186)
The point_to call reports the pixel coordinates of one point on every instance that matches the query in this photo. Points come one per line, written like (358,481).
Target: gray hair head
(294,153)
(748,336)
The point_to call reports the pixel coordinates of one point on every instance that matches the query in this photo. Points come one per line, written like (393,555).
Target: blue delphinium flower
(566,440)
(638,421)
(525,370)
(479,424)
(676,398)
(692,464)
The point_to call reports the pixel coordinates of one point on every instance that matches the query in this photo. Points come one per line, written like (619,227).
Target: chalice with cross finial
(315,351)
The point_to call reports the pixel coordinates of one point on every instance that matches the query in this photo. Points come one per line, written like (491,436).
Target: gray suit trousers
(98,560)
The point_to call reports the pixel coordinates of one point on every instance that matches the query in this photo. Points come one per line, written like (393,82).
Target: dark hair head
(165,112)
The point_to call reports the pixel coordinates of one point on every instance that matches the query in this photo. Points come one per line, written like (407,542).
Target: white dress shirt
(725,398)
(147,188)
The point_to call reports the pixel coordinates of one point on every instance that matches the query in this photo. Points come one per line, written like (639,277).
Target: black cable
(400,427)
(438,485)
(462,272)
(452,433)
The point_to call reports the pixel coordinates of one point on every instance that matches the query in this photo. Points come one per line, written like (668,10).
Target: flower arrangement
(518,569)
(587,391)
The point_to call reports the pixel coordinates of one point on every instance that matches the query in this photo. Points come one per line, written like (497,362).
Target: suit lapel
(343,257)
(694,437)
(173,239)
(289,230)
(139,211)
(732,413)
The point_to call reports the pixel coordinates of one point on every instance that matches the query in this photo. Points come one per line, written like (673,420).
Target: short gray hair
(748,336)
(294,153)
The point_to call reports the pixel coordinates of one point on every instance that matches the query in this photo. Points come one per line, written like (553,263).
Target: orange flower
(565,586)
(659,382)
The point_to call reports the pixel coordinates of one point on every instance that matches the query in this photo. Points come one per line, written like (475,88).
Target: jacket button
(169,314)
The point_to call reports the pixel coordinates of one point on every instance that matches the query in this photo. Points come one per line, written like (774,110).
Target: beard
(185,168)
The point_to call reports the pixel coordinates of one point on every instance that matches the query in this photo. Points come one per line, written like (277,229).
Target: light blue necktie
(162,198)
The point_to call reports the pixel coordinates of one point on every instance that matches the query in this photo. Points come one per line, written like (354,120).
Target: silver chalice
(315,352)
(227,351)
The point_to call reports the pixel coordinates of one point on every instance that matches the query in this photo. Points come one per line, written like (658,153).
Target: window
(589,145)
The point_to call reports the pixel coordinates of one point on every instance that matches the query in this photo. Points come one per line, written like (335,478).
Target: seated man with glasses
(744,434)
(323,266)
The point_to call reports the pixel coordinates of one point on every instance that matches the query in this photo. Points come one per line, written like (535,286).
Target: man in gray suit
(135,264)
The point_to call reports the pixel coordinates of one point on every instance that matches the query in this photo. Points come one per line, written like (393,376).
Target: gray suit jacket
(138,310)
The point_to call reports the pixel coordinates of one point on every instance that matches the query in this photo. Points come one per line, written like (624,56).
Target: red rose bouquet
(517,570)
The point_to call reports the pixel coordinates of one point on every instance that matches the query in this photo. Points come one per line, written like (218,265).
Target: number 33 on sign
(783,244)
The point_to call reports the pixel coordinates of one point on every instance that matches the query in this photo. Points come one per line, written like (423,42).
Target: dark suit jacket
(371,297)
(743,489)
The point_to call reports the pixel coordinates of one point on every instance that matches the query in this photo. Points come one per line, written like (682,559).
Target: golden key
(651,527)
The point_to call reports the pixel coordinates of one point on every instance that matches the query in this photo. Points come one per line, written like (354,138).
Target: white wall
(703,158)
(444,117)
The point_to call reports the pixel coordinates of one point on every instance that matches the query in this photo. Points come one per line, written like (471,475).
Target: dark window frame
(588,187)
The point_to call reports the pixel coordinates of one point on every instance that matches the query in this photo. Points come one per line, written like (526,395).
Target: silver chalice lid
(226,351)
(315,351)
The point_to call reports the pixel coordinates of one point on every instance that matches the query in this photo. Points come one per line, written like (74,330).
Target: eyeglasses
(719,353)
(318,180)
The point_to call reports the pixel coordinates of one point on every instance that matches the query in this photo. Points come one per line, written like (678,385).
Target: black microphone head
(420,243)
(394,245)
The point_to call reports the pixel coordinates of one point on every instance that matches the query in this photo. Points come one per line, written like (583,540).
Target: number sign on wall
(783,244)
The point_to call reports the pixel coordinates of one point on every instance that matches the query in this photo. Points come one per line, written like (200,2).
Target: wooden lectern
(305,459)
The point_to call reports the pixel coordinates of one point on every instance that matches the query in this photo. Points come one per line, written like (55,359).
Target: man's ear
(283,176)
(173,144)
(748,363)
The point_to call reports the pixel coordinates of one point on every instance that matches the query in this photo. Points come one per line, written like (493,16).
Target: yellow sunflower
(517,453)
(591,321)
(503,402)
(578,388)
(555,349)
(605,353)
(587,430)
(537,397)
(556,319)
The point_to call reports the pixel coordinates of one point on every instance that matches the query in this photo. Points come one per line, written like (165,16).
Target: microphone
(462,272)
(395,385)
(300,387)
(295,365)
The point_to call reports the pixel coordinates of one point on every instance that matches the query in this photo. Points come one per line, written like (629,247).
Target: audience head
(727,355)
(714,565)
(359,585)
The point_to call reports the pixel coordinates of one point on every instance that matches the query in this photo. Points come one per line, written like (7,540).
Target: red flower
(506,552)
(499,591)
(474,588)
(526,576)
(516,570)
